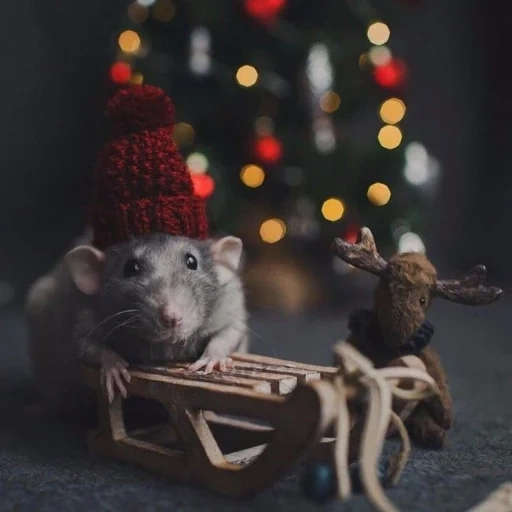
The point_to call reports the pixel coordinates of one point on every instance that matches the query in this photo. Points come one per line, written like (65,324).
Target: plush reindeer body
(397,325)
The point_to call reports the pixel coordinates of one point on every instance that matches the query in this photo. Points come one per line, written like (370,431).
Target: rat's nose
(168,318)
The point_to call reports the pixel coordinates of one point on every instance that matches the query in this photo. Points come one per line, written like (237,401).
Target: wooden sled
(235,457)
(309,410)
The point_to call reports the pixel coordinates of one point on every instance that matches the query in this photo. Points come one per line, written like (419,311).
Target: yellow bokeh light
(390,136)
(272,230)
(164,11)
(137,78)
(333,209)
(247,76)
(252,175)
(379,194)
(392,111)
(129,41)
(183,134)
(137,13)
(330,102)
(378,33)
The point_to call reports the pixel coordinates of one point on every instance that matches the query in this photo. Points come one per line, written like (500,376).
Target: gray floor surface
(44,466)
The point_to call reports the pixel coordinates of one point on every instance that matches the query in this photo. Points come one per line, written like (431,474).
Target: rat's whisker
(272,348)
(106,320)
(118,326)
(86,347)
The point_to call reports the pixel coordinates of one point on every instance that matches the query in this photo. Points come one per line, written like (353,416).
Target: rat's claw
(200,363)
(107,379)
(113,374)
(126,374)
(210,364)
(225,364)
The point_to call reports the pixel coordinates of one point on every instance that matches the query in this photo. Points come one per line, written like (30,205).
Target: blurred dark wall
(55,58)
(460,93)
(55,64)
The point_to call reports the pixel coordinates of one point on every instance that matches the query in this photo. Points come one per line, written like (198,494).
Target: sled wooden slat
(230,379)
(280,383)
(325,371)
(301,374)
(209,440)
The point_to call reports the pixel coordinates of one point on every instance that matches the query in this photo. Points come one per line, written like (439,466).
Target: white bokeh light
(411,242)
(200,60)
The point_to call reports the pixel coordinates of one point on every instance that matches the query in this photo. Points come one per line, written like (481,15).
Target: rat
(152,299)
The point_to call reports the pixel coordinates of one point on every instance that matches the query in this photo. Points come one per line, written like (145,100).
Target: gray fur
(66,326)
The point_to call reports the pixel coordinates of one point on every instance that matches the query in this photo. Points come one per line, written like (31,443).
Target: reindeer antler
(470,290)
(363,254)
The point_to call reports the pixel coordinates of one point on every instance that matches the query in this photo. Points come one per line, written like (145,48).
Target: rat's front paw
(113,374)
(211,363)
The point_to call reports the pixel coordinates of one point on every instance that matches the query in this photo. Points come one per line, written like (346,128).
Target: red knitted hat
(141,183)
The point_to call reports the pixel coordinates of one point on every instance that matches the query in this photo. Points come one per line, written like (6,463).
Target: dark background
(55,59)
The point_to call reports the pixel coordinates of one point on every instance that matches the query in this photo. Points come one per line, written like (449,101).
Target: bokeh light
(252,175)
(204,185)
(183,134)
(392,111)
(333,209)
(129,41)
(379,194)
(272,230)
(120,72)
(379,55)
(378,33)
(330,102)
(137,13)
(197,163)
(411,242)
(137,78)
(164,11)
(268,149)
(264,125)
(247,76)
(390,136)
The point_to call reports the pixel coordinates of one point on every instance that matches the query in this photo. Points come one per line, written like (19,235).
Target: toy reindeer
(397,325)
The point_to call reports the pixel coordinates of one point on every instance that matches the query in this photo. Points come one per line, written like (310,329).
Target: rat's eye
(423,301)
(190,261)
(131,268)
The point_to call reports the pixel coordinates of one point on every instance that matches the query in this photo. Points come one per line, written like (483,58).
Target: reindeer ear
(85,264)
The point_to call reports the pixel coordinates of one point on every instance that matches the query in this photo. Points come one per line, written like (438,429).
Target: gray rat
(152,299)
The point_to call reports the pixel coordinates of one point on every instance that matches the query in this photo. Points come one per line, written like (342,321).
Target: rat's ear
(228,252)
(86,264)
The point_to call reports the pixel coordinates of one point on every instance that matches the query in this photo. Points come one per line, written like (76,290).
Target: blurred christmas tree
(289,115)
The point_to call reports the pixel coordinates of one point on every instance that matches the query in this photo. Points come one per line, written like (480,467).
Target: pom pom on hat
(139,108)
(141,183)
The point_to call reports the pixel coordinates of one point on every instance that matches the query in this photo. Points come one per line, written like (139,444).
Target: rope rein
(354,367)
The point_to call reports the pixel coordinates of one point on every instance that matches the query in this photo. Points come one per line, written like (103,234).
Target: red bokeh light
(264,10)
(350,234)
(120,72)
(268,149)
(204,185)
(390,75)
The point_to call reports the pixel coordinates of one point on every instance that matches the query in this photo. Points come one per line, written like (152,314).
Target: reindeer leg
(424,430)
(440,407)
